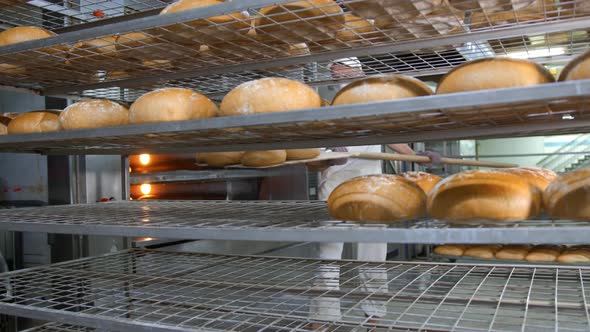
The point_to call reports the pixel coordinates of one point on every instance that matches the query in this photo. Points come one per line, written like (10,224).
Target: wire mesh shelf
(143,290)
(54,327)
(556,108)
(193,49)
(296,221)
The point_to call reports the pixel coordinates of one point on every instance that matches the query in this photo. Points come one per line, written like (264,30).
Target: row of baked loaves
(255,158)
(540,253)
(501,195)
(281,94)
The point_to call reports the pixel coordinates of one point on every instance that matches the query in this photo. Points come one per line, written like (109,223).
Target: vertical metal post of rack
(128,242)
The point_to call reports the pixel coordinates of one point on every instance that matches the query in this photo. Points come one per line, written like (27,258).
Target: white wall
(525,145)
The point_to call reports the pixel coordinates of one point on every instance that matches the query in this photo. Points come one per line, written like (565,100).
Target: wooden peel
(387,156)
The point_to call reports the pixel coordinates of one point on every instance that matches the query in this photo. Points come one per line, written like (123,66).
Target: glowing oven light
(145,188)
(144,159)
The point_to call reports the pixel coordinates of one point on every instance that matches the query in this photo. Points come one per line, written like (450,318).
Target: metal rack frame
(295,221)
(147,290)
(527,111)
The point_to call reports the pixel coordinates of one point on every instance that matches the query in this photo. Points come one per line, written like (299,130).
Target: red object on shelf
(98,13)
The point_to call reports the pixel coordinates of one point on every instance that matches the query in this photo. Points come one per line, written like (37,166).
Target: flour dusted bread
(35,122)
(568,197)
(300,154)
(269,95)
(450,249)
(483,195)
(425,181)
(23,34)
(381,88)
(171,104)
(517,252)
(577,69)
(544,253)
(378,198)
(264,158)
(485,251)
(493,73)
(220,159)
(94,113)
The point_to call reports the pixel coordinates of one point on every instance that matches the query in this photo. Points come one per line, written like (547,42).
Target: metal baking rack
(296,221)
(143,290)
(54,327)
(555,108)
(189,49)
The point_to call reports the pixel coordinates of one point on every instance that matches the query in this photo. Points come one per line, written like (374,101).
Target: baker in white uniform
(327,276)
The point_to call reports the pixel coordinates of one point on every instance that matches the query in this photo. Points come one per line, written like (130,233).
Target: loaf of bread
(300,154)
(356,28)
(380,88)
(23,34)
(538,177)
(171,104)
(395,12)
(220,159)
(139,45)
(517,252)
(377,199)
(450,249)
(269,95)
(483,195)
(96,50)
(35,122)
(493,73)
(264,158)
(94,113)
(321,18)
(577,69)
(568,197)
(544,253)
(485,251)
(575,255)
(4,121)
(424,180)
(491,6)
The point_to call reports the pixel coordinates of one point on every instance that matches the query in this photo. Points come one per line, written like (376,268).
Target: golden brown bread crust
(544,253)
(483,195)
(181,5)
(377,198)
(516,252)
(485,251)
(220,159)
(270,94)
(380,88)
(450,249)
(574,255)
(94,113)
(538,177)
(4,121)
(577,69)
(264,158)
(35,122)
(300,154)
(304,9)
(23,34)
(493,73)
(425,181)
(568,197)
(355,28)
(171,104)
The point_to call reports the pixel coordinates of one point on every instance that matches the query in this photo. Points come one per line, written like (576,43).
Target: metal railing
(559,160)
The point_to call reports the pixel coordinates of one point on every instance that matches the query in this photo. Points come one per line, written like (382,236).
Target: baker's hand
(434,156)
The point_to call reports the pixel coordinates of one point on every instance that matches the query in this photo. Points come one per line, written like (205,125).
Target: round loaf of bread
(300,154)
(493,73)
(264,158)
(450,249)
(220,159)
(577,69)
(380,88)
(380,198)
(574,256)
(544,253)
(182,5)
(357,28)
(93,113)
(485,251)
(516,252)
(23,34)
(35,122)
(483,195)
(568,197)
(4,121)
(425,181)
(538,177)
(171,104)
(269,95)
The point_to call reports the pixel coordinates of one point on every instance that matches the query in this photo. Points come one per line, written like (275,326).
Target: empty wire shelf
(296,221)
(194,50)
(556,108)
(143,290)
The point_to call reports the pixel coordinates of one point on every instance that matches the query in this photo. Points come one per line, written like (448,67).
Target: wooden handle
(425,159)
